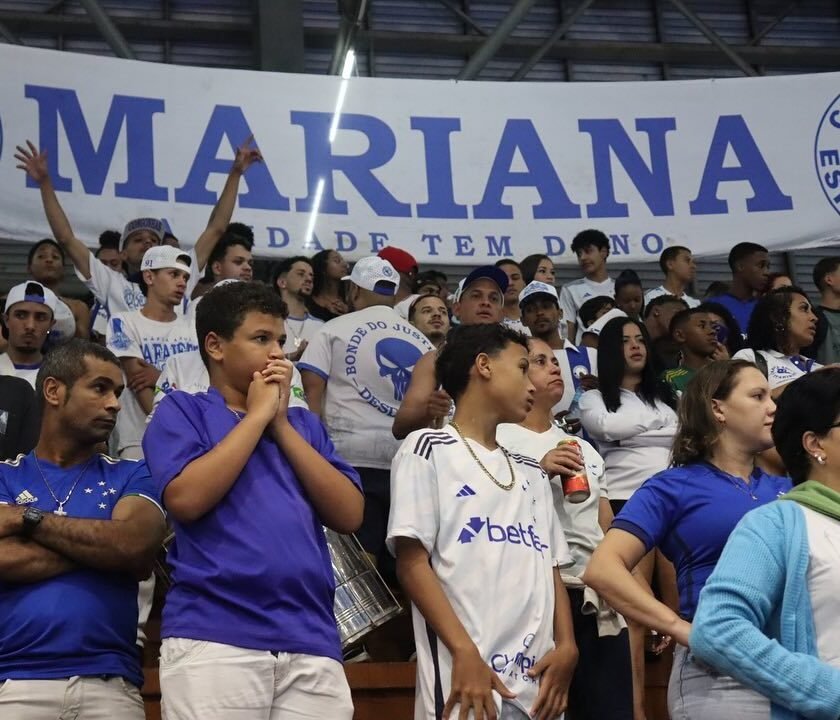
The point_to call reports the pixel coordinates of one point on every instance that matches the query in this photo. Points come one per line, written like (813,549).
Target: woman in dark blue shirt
(688,512)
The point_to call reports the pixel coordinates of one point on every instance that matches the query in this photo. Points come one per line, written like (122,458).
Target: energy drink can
(575,487)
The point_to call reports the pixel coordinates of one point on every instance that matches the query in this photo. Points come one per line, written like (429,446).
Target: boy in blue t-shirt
(248,627)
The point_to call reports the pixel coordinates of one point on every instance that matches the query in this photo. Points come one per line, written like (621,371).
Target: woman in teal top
(768,615)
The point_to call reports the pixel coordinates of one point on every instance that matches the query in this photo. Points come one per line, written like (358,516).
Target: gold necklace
(481,464)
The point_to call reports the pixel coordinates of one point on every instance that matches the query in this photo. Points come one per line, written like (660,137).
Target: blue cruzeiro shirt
(254,571)
(82,622)
(688,513)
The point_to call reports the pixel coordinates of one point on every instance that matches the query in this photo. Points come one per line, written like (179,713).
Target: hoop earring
(820,459)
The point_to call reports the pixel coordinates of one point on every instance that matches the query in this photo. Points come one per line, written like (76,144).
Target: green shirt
(678,378)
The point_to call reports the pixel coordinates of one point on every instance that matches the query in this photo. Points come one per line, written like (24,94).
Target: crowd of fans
(441,426)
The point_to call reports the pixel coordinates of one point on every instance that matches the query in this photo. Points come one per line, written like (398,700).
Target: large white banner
(454,172)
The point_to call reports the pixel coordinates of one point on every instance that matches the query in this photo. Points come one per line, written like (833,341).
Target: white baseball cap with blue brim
(536,288)
(375,274)
(33,292)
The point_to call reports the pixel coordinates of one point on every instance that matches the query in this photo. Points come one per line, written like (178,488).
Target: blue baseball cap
(485,272)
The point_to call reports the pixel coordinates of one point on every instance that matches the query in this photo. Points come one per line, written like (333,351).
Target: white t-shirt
(577,292)
(781,370)
(492,550)
(186,371)
(661,290)
(579,521)
(132,335)
(635,441)
(24,372)
(824,582)
(574,362)
(366,358)
(116,293)
(300,329)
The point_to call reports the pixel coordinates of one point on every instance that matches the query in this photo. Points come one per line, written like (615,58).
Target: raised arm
(223,210)
(35,165)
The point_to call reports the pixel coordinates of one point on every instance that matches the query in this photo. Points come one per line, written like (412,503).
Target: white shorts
(201,680)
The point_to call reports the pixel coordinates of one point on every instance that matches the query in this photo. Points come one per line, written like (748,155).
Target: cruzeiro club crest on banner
(119,340)
(827,153)
(379,360)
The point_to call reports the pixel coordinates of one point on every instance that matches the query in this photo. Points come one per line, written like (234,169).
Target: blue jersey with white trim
(82,622)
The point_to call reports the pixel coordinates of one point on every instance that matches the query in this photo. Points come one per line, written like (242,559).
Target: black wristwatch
(32,516)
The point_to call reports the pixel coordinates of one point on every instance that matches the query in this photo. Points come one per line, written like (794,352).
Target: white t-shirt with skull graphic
(366,358)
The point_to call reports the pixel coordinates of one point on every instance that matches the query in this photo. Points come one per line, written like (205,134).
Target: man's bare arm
(24,562)
(223,210)
(128,542)
(413,413)
(35,165)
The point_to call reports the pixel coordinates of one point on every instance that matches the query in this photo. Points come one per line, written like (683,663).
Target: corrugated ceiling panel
(727,19)
(625,22)
(320,13)
(404,16)
(610,72)
(437,67)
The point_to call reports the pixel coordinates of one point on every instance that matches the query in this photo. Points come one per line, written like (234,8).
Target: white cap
(596,327)
(370,272)
(538,288)
(31,291)
(162,257)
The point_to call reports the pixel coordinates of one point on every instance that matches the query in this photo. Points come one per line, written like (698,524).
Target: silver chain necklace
(61,503)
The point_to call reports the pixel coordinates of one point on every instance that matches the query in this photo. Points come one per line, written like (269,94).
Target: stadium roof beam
(278,33)
(557,35)
(493,42)
(199,30)
(466,18)
(714,38)
(352,13)
(108,29)
(771,25)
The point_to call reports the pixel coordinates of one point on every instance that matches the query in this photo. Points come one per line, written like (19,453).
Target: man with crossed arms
(77,530)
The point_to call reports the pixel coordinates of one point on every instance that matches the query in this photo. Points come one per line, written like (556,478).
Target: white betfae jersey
(366,358)
(493,551)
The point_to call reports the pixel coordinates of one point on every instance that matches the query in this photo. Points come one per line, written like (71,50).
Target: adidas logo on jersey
(26,498)
(513,534)
(465,491)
